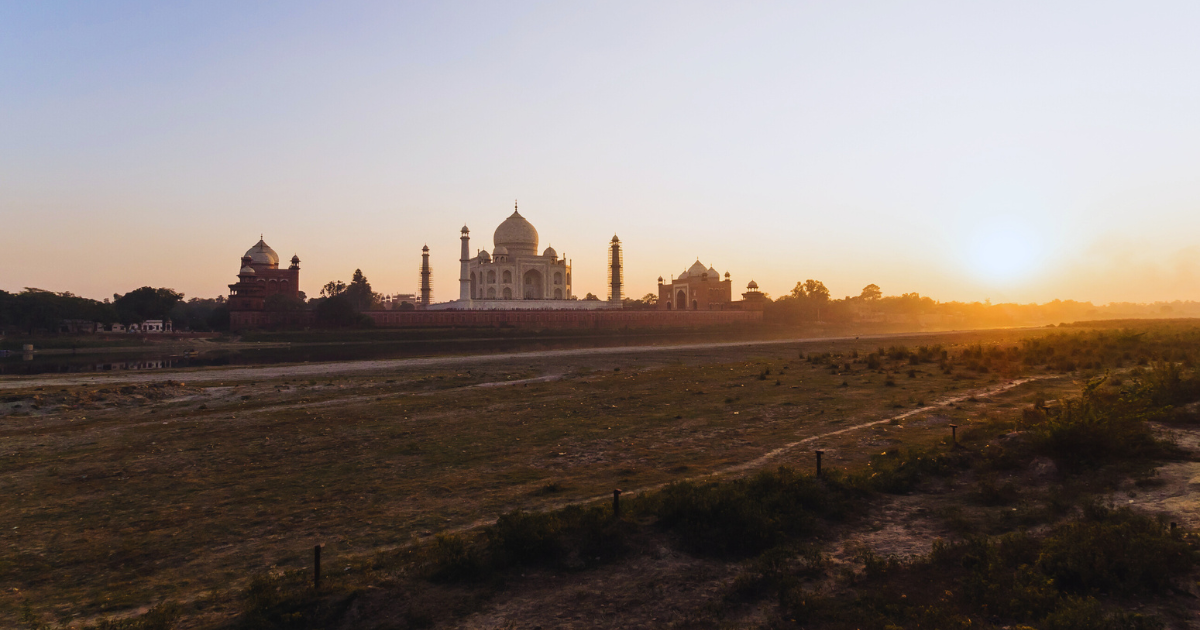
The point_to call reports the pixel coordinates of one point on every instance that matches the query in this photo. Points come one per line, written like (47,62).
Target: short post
(617,503)
(819,454)
(317,566)
(954,434)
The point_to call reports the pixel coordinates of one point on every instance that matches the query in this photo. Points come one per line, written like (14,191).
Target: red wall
(241,320)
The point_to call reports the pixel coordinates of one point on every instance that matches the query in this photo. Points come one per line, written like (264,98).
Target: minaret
(426,279)
(464,282)
(615,274)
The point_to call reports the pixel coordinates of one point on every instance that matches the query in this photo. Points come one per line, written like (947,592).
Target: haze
(967,151)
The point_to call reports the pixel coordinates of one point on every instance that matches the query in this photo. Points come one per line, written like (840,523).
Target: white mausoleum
(514,275)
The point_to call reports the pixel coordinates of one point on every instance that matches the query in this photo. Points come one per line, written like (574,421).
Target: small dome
(550,253)
(517,235)
(295,259)
(500,250)
(262,254)
(697,268)
(726,275)
(425,248)
(752,285)
(246,271)
(660,280)
(465,230)
(615,239)
(483,255)
(713,272)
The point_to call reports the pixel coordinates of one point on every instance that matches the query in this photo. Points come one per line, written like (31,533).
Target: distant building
(393,302)
(514,276)
(698,288)
(258,279)
(151,326)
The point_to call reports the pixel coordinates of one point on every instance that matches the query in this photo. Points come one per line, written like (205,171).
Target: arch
(695,305)
(669,305)
(507,293)
(474,285)
(558,294)
(534,285)
(491,293)
(557,277)
(491,276)
(681,300)
(507,277)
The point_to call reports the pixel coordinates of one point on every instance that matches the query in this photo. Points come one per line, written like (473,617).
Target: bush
(1115,551)
(896,471)
(746,516)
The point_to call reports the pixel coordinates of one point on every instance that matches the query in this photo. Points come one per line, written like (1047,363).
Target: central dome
(517,235)
(262,254)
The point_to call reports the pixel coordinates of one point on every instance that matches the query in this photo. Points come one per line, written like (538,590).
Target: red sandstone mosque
(259,278)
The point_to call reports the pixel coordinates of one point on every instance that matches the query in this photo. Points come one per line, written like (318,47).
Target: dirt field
(124,490)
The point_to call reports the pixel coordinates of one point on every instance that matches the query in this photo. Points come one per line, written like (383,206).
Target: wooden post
(954,434)
(316,566)
(617,503)
(819,454)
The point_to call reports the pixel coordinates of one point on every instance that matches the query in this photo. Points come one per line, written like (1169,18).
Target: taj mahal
(514,276)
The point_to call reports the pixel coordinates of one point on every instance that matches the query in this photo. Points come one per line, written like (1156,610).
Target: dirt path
(759,462)
(350,367)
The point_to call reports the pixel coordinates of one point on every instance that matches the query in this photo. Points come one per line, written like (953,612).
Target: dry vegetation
(208,499)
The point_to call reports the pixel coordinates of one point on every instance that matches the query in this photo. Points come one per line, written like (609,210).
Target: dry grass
(114,503)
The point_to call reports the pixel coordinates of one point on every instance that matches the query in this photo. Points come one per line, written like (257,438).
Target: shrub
(1117,551)
(746,516)
(897,471)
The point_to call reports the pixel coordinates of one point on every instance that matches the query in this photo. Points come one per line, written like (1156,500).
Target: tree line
(37,310)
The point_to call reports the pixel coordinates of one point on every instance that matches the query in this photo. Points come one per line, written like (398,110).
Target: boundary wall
(604,319)
(561,319)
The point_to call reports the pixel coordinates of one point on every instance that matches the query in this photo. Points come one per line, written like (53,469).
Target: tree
(333,289)
(871,292)
(359,292)
(816,291)
(201,314)
(647,303)
(146,303)
(591,297)
(337,312)
(34,309)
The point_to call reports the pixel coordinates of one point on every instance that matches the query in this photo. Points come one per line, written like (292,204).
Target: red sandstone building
(260,277)
(696,289)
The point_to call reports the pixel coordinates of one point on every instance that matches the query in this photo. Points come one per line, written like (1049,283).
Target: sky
(1003,151)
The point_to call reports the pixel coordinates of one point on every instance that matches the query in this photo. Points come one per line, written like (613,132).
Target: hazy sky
(964,150)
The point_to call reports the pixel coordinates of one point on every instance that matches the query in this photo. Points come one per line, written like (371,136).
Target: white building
(514,275)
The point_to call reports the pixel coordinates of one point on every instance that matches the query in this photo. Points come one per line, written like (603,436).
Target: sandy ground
(350,367)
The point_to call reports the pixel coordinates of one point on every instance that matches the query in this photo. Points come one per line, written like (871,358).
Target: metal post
(954,434)
(617,503)
(317,566)
(819,454)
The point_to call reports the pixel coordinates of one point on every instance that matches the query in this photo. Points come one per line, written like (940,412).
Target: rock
(1043,467)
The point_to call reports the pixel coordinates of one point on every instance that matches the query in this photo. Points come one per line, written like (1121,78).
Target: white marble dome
(517,235)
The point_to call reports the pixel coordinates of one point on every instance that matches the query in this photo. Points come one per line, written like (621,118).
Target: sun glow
(1005,252)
